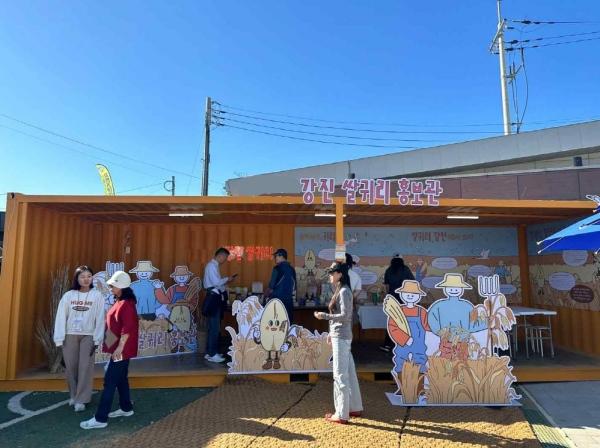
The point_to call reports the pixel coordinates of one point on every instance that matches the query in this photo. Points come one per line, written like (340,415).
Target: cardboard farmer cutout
(266,342)
(180,301)
(449,355)
(143,288)
(407,325)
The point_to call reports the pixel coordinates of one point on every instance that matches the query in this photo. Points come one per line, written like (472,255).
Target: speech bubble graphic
(444,263)
(582,294)
(562,281)
(575,257)
(327,254)
(430,282)
(479,269)
(507,289)
(368,277)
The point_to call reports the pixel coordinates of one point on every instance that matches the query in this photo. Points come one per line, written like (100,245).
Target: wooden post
(524,266)
(339,225)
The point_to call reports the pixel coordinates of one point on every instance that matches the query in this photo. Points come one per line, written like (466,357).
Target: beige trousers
(79,366)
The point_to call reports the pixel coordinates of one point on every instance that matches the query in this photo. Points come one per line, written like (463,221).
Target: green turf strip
(60,427)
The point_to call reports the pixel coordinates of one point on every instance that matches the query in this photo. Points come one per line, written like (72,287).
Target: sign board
(369,191)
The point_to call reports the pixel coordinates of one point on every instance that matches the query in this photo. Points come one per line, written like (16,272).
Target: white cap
(120,279)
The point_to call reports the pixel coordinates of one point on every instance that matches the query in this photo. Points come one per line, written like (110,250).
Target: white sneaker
(92,423)
(216,358)
(71,402)
(120,413)
(79,407)
(206,356)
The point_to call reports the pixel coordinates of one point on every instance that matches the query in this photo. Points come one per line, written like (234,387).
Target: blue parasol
(583,235)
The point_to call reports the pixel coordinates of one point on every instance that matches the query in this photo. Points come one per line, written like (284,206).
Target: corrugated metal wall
(576,329)
(51,240)
(54,240)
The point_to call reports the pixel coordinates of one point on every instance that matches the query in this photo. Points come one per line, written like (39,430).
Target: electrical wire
(329,135)
(547,22)
(140,188)
(537,39)
(559,121)
(224,106)
(317,141)
(84,153)
(98,148)
(378,131)
(551,44)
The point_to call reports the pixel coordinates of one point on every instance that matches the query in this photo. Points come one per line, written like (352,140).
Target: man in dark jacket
(283,282)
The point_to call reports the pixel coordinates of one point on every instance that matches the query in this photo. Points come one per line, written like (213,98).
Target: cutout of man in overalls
(407,325)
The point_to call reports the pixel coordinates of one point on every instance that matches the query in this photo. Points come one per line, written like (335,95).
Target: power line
(379,131)
(537,39)
(317,141)
(547,22)
(140,188)
(224,106)
(551,44)
(326,135)
(98,148)
(558,121)
(86,154)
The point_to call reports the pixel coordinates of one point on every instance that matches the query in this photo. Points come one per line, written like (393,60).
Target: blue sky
(132,77)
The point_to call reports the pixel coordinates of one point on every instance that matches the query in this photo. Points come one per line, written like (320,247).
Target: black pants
(114,378)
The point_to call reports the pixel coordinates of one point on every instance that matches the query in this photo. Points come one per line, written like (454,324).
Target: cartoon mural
(266,343)
(430,253)
(449,354)
(569,279)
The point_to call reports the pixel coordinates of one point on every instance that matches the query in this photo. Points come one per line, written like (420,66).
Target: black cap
(281,252)
(349,260)
(336,267)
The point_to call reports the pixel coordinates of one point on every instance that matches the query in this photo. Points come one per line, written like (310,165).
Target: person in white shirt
(355,280)
(215,302)
(79,329)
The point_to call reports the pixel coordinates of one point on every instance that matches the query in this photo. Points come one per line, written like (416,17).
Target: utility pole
(207,123)
(172,188)
(499,41)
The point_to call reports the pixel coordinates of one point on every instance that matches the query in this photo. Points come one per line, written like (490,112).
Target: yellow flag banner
(109,189)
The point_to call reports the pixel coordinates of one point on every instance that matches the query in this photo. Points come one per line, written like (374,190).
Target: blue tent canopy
(583,235)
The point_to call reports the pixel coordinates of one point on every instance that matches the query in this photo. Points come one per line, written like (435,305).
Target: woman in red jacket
(121,341)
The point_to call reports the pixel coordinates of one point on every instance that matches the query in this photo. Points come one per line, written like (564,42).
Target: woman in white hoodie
(79,329)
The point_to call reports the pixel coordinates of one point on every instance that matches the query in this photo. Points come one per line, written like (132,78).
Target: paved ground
(573,407)
(248,412)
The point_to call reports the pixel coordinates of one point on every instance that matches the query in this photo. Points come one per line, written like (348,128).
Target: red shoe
(355,413)
(331,419)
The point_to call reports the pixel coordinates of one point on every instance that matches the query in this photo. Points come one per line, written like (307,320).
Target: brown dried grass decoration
(44,328)
(479,381)
(409,383)
(192,293)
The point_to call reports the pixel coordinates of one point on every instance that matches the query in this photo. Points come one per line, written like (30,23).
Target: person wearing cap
(452,312)
(283,282)
(407,325)
(346,391)
(79,329)
(393,278)
(121,341)
(215,303)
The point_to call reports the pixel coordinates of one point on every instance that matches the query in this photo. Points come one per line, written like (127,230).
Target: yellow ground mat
(247,412)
